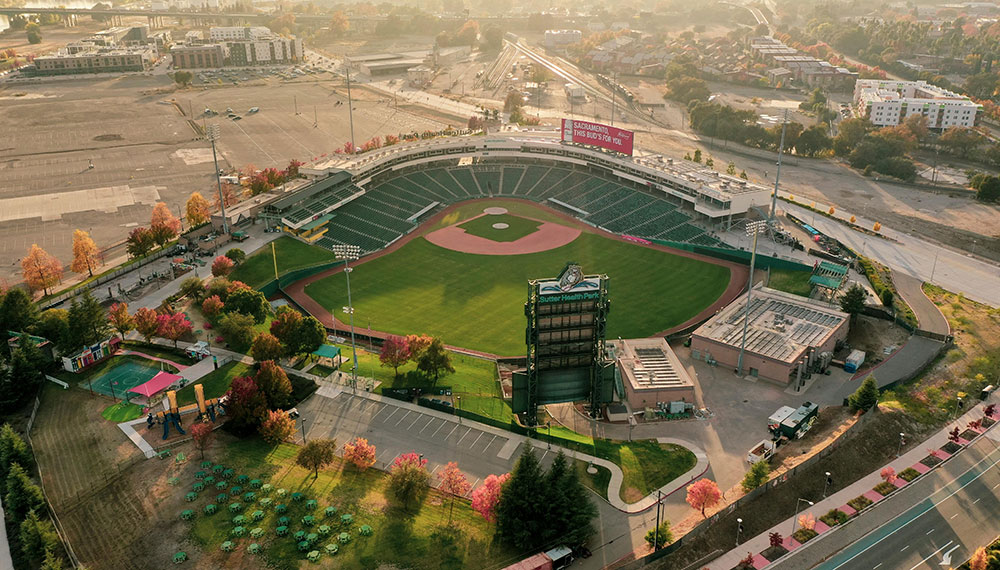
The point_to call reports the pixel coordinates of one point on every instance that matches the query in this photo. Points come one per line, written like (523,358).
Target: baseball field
(476,301)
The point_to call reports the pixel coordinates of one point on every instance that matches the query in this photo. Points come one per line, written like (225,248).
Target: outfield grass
(477,301)
(215,382)
(258,268)
(420,537)
(518,227)
(789,281)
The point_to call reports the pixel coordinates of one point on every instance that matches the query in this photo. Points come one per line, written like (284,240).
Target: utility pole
(295,101)
(656,531)
(213,133)
(614,90)
(315,117)
(350,106)
(777,175)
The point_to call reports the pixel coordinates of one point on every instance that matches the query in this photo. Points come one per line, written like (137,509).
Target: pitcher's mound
(500,226)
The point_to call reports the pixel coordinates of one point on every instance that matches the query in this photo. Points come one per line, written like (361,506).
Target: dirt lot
(874,336)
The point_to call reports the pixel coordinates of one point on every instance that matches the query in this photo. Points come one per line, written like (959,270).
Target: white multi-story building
(235,33)
(889,103)
(559,38)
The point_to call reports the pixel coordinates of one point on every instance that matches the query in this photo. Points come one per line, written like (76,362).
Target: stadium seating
(619,208)
(466,181)
(532,175)
(683,232)
(489,181)
(511,180)
(445,180)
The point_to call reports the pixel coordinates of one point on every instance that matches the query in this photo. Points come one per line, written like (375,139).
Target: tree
(360,453)
(212,306)
(307,336)
(487,495)
(85,253)
(980,559)
(520,511)
(164,225)
(338,24)
(853,301)
(435,360)
(888,474)
(192,288)
(408,477)
(703,494)
(756,476)
(222,266)
(286,321)
(248,302)
(52,560)
(237,255)
(53,324)
(38,537)
(775,539)
(238,329)
(201,432)
(568,508)
(417,343)
(316,455)
(146,323)
(394,353)
(120,320)
(865,397)
(198,209)
(277,427)
(40,270)
(22,495)
(13,450)
(229,195)
(266,347)
(87,322)
(34,32)
(139,242)
(961,141)
(453,482)
(813,141)
(173,327)
(17,311)
(183,78)
(665,535)
(245,406)
(850,134)
(274,384)
(989,189)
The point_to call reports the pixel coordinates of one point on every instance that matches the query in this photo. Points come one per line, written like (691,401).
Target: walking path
(928,315)
(176,365)
(839,499)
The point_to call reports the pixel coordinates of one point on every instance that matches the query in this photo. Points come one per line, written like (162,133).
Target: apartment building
(889,103)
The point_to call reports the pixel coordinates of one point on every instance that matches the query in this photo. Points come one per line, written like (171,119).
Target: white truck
(762,451)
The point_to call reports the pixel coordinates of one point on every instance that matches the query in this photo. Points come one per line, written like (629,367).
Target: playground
(124,372)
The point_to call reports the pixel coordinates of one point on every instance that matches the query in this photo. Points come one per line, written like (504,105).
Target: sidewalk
(839,499)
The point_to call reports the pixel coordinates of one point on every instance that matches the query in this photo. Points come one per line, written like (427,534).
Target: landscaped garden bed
(969,434)
(860,502)
(834,517)
(908,474)
(884,488)
(951,447)
(931,460)
(804,535)
(774,552)
(988,421)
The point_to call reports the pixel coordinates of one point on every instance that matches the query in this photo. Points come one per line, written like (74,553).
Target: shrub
(884,488)
(909,474)
(834,517)
(860,502)
(804,535)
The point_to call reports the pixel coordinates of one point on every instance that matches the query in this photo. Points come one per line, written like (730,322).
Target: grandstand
(338,211)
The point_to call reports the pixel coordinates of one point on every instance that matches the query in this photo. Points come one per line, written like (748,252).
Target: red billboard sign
(596,134)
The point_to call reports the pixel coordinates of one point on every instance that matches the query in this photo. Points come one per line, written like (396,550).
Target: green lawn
(321,371)
(122,412)
(258,268)
(477,301)
(475,380)
(420,537)
(518,227)
(795,282)
(216,382)
(646,464)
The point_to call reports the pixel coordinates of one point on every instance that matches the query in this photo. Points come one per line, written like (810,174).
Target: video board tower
(567,320)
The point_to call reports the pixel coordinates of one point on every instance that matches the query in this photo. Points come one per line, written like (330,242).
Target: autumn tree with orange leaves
(198,210)
(164,224)
(40,270)
(85,253)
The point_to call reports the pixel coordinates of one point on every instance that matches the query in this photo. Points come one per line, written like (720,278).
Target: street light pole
(213,133)
(350,106)
(795,518)
(302,424)
(656,531)
(829,480)
(347,253)
(777,175)
(754,229)
(739,530)
(902,440)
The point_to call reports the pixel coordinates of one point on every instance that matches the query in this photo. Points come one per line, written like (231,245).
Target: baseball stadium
(450,231)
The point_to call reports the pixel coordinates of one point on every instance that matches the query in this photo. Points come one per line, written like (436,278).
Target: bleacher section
(383,213)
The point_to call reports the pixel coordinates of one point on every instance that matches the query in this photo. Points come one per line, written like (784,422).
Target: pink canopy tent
(159,383)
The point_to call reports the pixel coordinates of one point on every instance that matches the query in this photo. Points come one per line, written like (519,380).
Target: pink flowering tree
(453,481)
(487,495)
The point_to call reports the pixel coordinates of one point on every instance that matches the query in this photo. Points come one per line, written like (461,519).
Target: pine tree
(13,449)
(17,311)
(22,495)
(521,510)
(571,521)
(865,397)
(38,537)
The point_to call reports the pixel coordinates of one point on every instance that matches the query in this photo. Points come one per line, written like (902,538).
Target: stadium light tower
(754,229)
(777,175)
(349,253)
(213,133)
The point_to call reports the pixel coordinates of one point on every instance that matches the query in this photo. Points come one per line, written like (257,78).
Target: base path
(738,273)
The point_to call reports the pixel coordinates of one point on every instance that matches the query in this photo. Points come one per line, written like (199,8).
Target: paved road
(928,315)
(961,515)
